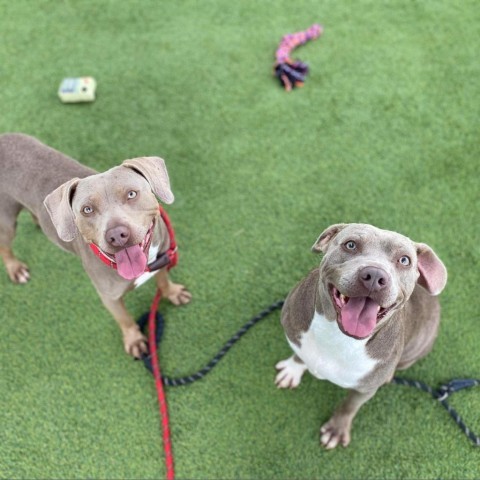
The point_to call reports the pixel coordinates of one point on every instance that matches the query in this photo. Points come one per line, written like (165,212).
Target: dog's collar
(166,259)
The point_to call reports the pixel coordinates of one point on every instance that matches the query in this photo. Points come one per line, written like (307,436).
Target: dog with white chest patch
(111,220)
(368,310)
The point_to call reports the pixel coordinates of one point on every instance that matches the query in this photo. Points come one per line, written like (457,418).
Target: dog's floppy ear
(433,274)
(155,172)
(321,245)
(59,206)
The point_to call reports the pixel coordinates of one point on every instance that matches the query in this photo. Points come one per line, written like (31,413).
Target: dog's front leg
(175,292)
(290,372)
(134,341)
(337,429)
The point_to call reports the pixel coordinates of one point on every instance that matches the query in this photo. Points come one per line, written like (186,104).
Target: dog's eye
(351,245)
(405,261)
(131,194)
(87,210)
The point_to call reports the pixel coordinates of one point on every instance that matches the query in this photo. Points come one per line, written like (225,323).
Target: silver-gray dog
(112,215)
(367,311)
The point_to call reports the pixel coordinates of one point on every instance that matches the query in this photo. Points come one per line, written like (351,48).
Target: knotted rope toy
(292,73)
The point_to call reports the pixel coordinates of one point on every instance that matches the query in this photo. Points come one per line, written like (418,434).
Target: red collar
(166,259)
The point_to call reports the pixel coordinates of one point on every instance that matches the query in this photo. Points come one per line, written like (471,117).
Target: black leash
(441,394)
(181,381)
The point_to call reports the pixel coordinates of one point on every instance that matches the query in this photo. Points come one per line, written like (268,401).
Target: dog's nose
(374,278)
(117,236)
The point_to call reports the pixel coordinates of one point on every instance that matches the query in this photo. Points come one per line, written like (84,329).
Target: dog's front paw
(290,372)
(178,294)
(336,431)
(17,271)
(135,343)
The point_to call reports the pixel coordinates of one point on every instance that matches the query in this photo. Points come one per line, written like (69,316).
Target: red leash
(162,401)
(172,255)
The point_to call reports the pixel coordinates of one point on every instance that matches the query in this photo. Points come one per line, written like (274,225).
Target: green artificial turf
(385,131)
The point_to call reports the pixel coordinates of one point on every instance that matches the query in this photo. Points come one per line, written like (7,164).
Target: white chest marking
(331,355)
(152,255)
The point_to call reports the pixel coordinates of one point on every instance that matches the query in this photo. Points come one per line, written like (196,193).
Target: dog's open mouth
(357,316)
(132,261)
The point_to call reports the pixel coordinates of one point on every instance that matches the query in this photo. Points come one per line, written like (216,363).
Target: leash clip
(161,261)
(454,386)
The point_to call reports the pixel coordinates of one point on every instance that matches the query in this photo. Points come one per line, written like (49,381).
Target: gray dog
(111,220)
(368,310)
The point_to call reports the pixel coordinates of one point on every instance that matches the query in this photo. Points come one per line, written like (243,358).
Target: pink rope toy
(292,73)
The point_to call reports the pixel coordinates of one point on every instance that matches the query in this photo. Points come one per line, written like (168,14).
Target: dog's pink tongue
(131,262)
(359,316)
